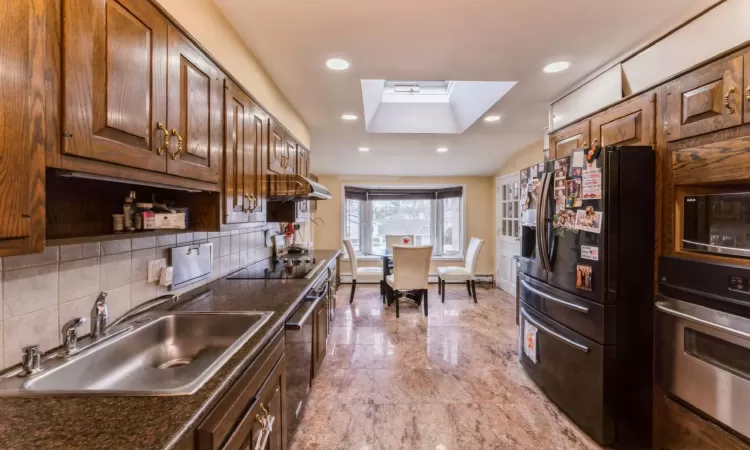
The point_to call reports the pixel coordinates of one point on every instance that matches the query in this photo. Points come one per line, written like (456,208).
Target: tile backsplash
(40,292)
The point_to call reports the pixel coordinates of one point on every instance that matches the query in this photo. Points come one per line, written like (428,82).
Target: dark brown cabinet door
(277,153)
(114,93)
(570,138)
(244,144)
(195,111)
(629,123)
(291,156)
(746,85)
(321,334)
(303,161)
(22,121)
(705,100)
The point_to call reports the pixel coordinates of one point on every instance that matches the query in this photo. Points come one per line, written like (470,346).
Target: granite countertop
(154,422)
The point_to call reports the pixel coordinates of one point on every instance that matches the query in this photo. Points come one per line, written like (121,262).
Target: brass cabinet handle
(252,203)
(284,162)
(160,151)
(303,207)
(748,93)
(727,104)
(179,144)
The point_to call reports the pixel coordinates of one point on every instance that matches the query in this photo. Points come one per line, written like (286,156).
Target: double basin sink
(168,353)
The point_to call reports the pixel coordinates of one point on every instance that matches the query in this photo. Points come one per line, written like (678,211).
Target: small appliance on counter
(703,338)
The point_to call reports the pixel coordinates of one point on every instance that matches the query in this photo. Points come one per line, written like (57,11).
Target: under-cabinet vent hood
(283,188)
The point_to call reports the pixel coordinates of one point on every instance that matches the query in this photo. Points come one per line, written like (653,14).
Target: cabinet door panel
(276,149)
(290,163)
(256,170)
(568,139)
(114,95)
(746,85)
(705,100)
(195,111)
(630,123)
(236,154)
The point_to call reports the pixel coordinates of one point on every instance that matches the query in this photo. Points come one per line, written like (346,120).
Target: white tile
(79,251)
(213,234)
(216,242)
(141,292)
(224,247)
(224,265)
(115,271)
(234,244)
(49,256)
(163,252)
(225,233)
(184,238)
(139,264)
(234,232)
(234,261)
(200,236)
(27,290)
(243,258)
(78,279)
(163,241)
(243,241)
(118,302)
(2,347)
(143,242)
(39,327)
(79,308)
(116,247)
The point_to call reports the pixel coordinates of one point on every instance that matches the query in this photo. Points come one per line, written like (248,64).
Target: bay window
(432,216)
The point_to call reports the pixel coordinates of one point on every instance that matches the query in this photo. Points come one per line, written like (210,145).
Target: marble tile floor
(447,381)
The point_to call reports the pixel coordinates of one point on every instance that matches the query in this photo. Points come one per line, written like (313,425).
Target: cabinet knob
(179,144)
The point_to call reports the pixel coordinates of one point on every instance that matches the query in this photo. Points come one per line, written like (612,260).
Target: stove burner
(282,268)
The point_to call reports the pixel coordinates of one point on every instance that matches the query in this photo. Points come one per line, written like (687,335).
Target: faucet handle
(70,334)
(31,361)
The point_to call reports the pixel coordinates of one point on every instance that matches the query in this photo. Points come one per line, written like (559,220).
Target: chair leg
(468,287)
(439,286)
(443,292)
(396,300)
(382,290)
(474,289)
(424,294)
(354,286)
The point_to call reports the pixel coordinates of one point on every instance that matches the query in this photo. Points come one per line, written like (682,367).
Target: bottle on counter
(128,212)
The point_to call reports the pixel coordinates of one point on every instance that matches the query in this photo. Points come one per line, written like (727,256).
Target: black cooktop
(287,267)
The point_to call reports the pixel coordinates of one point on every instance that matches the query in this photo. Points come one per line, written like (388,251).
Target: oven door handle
(553,333)
(305,310)
(580,308)
(665,308)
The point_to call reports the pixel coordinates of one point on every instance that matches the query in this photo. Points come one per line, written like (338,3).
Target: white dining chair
(464,274)
(364,274)
(411,267)
(398,239)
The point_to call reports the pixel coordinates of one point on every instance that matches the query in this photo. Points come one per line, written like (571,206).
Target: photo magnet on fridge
(583,277)
(592,184)
(589,252)
(561,168)
(589,220)
(577,160)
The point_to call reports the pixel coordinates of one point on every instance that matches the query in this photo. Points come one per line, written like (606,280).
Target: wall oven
(717,223)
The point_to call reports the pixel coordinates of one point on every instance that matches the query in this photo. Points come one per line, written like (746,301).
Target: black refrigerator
(586,288)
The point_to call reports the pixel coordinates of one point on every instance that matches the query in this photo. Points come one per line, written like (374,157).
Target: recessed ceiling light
(555,67)
(349,117)
(442,150)
(364,149)
(337,64)
(492,118)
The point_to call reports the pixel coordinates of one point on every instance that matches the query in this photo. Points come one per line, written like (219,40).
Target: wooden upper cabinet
(746,85)
(562,142)
(115,82)
(705,100)
(290,165)
(195,111)
(23,125)
(245,140)
(303,161)
(629,123)
(276,149)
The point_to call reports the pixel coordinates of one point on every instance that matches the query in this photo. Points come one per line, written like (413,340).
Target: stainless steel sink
(164,354)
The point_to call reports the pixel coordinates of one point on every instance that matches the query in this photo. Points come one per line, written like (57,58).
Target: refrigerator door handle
(580,308)
(544,245)
(539,227)
(553,333)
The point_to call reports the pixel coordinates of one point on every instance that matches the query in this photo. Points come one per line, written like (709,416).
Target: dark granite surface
(153,422)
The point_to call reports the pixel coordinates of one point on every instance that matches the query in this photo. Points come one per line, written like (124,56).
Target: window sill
(434,258)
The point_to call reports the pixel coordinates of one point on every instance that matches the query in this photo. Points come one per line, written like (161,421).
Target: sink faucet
(70,335)
(99,316)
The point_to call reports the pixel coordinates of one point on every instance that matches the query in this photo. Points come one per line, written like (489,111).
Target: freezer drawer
(576,373)
(592,320)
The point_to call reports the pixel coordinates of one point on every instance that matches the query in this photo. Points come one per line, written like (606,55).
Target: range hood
(295,188)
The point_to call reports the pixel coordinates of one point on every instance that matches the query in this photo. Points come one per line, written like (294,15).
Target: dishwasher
(306,338)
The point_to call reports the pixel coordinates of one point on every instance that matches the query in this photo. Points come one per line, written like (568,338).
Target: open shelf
(113,237)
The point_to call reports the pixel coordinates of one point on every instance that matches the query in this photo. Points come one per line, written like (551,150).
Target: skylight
(417,91)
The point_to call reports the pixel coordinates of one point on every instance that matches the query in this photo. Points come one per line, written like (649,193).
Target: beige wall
(523,158)
(479,214)
(204,20)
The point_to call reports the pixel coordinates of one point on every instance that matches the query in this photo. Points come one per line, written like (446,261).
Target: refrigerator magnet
(592,184)
(589,220)
(533,171)
(561,168)
(591,155)
(583,277)
(573,186)
(529,341)
(576,172)
(540,167)
(577,159)
(589,252)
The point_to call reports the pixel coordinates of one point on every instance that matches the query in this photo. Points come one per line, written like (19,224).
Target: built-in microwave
(717,223)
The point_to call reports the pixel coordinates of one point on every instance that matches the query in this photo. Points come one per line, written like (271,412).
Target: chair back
(398,239)
(352,257)
(411,266)
(472,254)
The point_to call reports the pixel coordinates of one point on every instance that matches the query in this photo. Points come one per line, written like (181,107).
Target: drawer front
(592,320)
(213,432)
(706,100)
(576,373)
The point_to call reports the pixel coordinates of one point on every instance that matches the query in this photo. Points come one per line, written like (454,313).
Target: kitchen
(175,275)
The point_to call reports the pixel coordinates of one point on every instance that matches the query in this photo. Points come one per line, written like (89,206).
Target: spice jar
(118,222)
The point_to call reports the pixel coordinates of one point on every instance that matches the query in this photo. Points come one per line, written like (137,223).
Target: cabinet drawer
(706,100)
(212,433)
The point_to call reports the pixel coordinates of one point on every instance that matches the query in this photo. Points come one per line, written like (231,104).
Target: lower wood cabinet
(320,330)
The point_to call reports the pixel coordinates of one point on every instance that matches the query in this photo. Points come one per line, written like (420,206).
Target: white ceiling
(468,40)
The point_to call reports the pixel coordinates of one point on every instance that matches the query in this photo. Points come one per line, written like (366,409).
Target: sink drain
(177,362)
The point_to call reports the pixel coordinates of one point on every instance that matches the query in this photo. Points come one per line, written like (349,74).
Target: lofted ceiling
(470,40)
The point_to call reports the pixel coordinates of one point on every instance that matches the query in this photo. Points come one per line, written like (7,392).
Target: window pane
(351,222)
(401,217)
(452,225)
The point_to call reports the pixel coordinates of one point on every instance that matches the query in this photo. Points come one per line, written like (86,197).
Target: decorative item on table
(589,220)
(564,221)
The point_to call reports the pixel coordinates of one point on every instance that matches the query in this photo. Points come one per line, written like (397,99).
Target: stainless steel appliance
(190,263)
(586,288)
(305,340)
(717,223)
(284,268)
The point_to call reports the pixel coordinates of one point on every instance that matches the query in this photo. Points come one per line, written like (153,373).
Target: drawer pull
(265,431)
(252,203)
(580,308)
(179,144)
(554,334)
(727,104)
(747,93)
(160,151)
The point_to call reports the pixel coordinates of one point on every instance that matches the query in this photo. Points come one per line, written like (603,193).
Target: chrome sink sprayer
(99,316)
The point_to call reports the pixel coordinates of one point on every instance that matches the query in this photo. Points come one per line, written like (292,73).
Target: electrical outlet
(154,269)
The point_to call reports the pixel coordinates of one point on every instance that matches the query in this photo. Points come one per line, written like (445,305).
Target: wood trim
(719,162)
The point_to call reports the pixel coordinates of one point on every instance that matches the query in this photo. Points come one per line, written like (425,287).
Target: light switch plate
(154,269)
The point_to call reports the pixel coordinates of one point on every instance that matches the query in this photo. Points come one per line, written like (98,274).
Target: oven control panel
(739,284)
